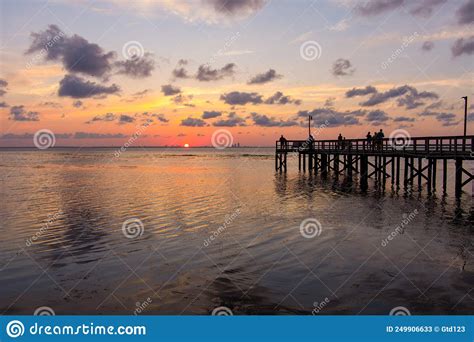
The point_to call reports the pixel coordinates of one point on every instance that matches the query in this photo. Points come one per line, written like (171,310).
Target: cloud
(212,11)
(137,67)
(232,120)
(447,119)
(77,104)
(193,122)
(206,74)
(125,119)
(75,52)
(3,84)
(332,117)
(342,67)
(427,46)
(183,100)
(465,13)
(403,119)
(425,8)
(412,99)
(329,102)
(170,90)
(77,87)
(4,105)
(19,113)
(211,114)
(361,91)
(377,116)
(180,73)
(241,98)
(280,99)
(463,46)
(375,7)
(265,77)
(160,117)
(104,117)
(265,121)
(87,135)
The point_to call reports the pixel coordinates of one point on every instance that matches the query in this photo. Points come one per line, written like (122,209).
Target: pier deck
(419,156)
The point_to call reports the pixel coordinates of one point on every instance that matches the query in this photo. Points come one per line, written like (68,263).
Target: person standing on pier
(380,137)
(339,141)
(369,140)
(283,142)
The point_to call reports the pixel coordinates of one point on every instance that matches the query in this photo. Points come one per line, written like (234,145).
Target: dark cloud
(361,91)
(375,7)
(170,90)
(332,117)
(77,87)
(241,98)
(180,73)
(136,67)
(3,84)
(377,116)
(141,93)
(465,13)
(183,100)
(425,8)
(3,105)
(237,7)
(232,120)
(463,46)
(77,103)
(87,135)
(206,74)
(342,67)
(265,77)
(280,99)
(125,119)
(211,114)
(427,46)
(160,117)
(265,121)
(19,113)
(75,52)
(193,122)
(403,119)
(447,119)
(104,117)
(412,97)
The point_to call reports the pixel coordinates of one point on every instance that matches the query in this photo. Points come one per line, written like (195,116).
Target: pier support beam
(458,178)
(364,172)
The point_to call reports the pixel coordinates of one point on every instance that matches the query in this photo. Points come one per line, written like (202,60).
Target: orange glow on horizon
(186,145)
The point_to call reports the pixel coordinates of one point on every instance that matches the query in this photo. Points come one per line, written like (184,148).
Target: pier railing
(441,145)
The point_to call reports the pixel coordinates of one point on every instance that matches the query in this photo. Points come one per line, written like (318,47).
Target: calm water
(62,244)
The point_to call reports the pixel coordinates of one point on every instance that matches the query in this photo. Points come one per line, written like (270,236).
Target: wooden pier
(418,158)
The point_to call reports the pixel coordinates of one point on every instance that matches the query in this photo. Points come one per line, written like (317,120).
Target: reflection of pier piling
(420,158)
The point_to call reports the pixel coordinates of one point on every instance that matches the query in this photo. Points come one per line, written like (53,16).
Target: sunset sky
(97,72)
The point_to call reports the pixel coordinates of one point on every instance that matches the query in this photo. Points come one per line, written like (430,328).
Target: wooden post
(310,162)
(285,161)
(364,171)
(430,168)
(392,166)
(398,172)
(384,169)
(299,161)
(435,164)
(420,163)
(445,174)
(324,164)
(304,162)
(349,165)
(458,177)
(336,165)
(405,174)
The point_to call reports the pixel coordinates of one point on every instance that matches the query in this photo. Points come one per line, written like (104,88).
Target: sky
(169,73)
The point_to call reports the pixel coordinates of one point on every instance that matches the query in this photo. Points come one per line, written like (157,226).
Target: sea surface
(186,231)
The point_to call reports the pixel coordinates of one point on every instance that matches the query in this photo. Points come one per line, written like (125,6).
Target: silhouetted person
(380,136)
(339,140)
(369,140)
(283,141)
(374,140)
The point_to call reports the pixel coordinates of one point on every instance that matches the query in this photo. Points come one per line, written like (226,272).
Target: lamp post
(465,115)
(309,125)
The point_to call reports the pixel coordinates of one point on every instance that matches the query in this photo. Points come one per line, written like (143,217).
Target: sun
(186,145)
